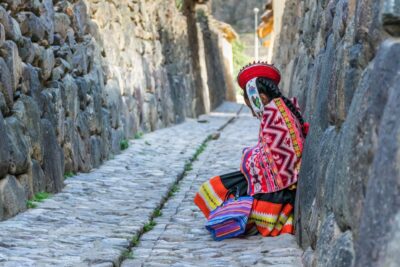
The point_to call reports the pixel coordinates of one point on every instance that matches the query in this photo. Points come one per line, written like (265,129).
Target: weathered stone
(27,111)
(6,84)
(391,16)
(27,184)
(47,16)
(392,258)
(10,25)
(9,52)
(13,4)
(46,63)
(327,235)
(116,137)
(95,151)
(80,18)
(4,149)
(113,102)
(2,35)
(31,26)
(38,178)
(26,50)
(80,60)
(71,147)
(342,252)
(30,83)
(53,158)
(13,196)
(3,104)
(83,89)
(61,24)
(343,70)
(381,197)
(19,146)
(70,96)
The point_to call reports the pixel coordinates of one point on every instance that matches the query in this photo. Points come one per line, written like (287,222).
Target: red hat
(259,69)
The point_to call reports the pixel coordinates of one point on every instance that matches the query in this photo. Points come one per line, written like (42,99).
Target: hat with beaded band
(258,69)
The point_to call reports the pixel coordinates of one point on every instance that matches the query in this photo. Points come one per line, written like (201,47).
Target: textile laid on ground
(274,163)
(272,214)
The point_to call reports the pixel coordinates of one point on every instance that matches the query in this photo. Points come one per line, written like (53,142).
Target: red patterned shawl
(274,163)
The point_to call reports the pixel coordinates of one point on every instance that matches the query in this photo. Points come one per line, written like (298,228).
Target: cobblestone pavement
(92,222)
(179,238)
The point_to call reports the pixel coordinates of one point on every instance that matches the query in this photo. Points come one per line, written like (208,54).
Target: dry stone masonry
(97,215)
(341,58)
(78,77)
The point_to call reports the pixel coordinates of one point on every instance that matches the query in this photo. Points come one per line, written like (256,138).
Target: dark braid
(268,87)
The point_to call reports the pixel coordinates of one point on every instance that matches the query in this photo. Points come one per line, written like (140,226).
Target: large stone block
(80,18)
(47,16)
(382,201)
(11,27)
(27,111)
(46,63)
(9,51)
(71,146)
(19,146)
(31,26)
(13,196)
(4,148)
(61,24)
(31,83)
(53,158)
(69,90)
(3,104)
(391,16)
(6,83)
(2,35)
(26,182)
(38,178)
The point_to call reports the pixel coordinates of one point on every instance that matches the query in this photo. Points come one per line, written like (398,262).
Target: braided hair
(269,88)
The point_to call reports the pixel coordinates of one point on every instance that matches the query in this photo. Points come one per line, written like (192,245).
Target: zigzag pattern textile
(274,163)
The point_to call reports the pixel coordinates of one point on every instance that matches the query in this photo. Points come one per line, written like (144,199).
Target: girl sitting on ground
(269,170)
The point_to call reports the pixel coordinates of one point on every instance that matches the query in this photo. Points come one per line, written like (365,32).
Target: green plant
(135,241)
(68,175)
(138,135)
(123,144)
(31,204)
(147,143)
(149,226)
(38,197)
(157,213)
(127,254)
(179,4)
(188,166)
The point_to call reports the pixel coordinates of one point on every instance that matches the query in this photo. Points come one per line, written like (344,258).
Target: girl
(269,170)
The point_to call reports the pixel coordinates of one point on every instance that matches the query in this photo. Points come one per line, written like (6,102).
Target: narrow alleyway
(99,215)
(179,238)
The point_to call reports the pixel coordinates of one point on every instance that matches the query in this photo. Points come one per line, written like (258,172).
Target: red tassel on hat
(306,127)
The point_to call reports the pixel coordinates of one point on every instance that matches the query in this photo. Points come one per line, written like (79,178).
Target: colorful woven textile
(274,163)
(271,214)
(229,219)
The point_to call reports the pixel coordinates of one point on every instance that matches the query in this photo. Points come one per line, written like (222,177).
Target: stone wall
(78,77)
(341,58)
